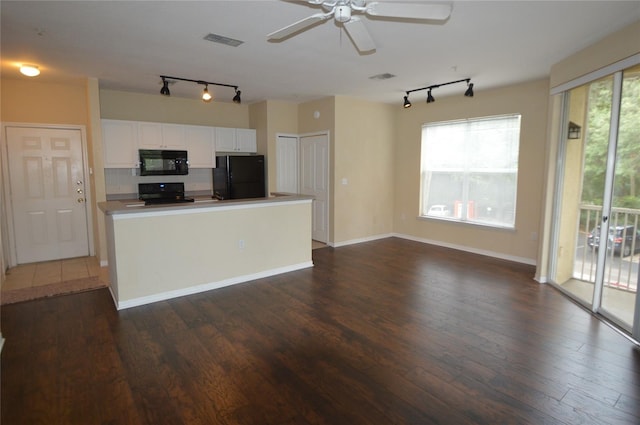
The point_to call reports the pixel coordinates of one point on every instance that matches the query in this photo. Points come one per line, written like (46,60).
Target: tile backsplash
(122,183)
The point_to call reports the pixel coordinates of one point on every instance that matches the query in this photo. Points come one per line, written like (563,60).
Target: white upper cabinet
(201,146)
(122,139)
(161,136)
(246,140)
(236,140)
(120,144)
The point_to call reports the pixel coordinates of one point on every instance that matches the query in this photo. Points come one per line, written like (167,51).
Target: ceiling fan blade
(359,35)
(298,26)
(435,12)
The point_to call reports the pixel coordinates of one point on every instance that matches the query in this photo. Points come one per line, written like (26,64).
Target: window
(469,170)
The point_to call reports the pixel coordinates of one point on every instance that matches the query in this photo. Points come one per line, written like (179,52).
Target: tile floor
(46,273)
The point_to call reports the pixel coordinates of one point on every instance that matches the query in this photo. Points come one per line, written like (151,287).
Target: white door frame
(326,133)
(9,243)
(297,172)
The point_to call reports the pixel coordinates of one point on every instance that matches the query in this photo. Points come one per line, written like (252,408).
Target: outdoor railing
(620,271)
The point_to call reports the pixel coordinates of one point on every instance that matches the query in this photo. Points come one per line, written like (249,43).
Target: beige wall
(31,101)
(614,48)
(363,153)
(154,107)
(271,118)
(528,99)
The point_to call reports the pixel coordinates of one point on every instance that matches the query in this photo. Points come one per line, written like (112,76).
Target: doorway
(47,212)
(303,167)
(596,248)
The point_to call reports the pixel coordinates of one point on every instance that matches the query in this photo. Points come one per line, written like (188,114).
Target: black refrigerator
(239,177)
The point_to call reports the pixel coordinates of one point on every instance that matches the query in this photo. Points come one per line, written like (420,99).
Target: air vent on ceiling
(223,40)
(384,76)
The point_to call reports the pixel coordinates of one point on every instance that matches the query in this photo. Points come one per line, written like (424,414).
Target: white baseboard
(135,302)
(361,240)
(493,254)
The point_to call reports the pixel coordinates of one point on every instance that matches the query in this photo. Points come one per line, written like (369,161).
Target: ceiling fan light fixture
(342,13)
(29,70)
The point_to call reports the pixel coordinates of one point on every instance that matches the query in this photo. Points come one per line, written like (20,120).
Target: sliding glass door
(596,231)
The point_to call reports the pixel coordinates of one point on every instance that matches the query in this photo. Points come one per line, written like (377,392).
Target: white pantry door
(47,182)
(314,180)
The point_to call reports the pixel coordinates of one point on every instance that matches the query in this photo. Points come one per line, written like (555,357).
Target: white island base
(158,253)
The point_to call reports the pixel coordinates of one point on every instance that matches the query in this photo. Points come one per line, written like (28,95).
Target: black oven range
(162,193)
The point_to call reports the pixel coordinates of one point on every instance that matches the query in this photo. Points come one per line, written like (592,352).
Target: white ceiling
(126,45)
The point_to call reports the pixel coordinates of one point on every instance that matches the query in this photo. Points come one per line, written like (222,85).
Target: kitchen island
(165,251)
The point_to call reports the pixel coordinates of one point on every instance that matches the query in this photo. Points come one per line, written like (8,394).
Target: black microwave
(157,162)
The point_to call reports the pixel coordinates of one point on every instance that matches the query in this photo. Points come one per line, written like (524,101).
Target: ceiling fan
(343,10)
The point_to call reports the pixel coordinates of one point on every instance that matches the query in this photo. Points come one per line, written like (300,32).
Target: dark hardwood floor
(385,332)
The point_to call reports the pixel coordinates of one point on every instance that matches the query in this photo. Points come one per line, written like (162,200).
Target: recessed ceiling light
(30,70)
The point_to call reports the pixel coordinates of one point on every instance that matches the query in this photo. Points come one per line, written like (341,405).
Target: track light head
(407,104)
(165,87)
(469,92)
(430,98)
(236,98)
(206,96)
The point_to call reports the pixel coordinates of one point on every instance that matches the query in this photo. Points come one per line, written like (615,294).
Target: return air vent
(223,40)
(384,76)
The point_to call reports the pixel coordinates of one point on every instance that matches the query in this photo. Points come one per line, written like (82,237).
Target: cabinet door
(200,145)
(149,135)
(173,136)
(120,143)
(246,140)
(225,139)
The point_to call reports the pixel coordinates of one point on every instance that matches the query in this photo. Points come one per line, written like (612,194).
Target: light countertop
(128,206)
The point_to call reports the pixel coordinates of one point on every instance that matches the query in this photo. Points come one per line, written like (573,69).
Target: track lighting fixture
(236,98)
(206,96)
(407,104)
(431,99)
(165,87)
(469,92)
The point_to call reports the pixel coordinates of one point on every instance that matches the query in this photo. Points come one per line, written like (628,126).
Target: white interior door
(48,201)
(287,164)
(314,181)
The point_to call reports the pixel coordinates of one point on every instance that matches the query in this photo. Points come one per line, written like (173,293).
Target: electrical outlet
(241,244)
